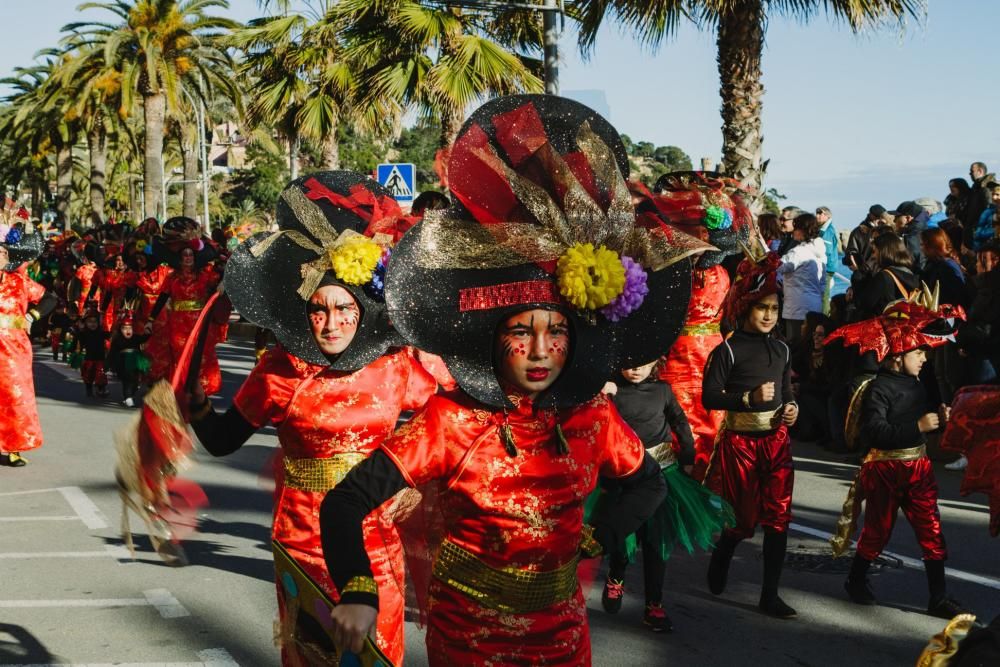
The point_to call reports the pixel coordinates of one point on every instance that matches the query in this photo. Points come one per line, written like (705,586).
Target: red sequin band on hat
(507,294)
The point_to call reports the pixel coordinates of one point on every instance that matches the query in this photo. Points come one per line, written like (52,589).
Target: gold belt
(13,322)
(320,475)
(663,454)
(187,305)
(908,454)
(700,329)
(510,590)
(749,422)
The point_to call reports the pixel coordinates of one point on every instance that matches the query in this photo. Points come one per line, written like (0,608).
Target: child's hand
(197,396)
(944,413)
(789,414)
(929,422)
(610,388)
(763,393)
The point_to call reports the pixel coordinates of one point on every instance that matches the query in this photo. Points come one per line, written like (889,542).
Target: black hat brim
(26,250)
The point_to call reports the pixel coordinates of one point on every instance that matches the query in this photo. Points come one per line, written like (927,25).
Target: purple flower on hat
(632,295)
(376,288)
(13,236)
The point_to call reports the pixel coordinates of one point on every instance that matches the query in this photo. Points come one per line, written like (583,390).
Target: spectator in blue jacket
(984,231)
(833,254)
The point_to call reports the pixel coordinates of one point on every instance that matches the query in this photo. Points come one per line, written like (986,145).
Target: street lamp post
(199,113)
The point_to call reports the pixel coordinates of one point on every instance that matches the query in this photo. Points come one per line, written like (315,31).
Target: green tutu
(136,362)
(76,359)
(690,516)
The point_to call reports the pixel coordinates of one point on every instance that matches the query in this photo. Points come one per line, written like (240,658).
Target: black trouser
(654,568)
(130,384)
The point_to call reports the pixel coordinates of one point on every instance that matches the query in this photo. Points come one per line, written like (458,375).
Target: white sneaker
(128,402)
(961,463)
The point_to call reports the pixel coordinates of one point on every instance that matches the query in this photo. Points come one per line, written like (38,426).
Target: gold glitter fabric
(13,322)
(187,306)
(319,475)
(510,590)
(944,645)
(752,422)
(361,585)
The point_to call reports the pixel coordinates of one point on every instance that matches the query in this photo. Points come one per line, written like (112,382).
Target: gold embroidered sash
(319,475)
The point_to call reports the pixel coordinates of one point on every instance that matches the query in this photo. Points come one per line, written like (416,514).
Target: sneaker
(614,591)
(860,592)
(656,618)
(945,608)
(128,402)
(13,460)
(777,608)
(961,463)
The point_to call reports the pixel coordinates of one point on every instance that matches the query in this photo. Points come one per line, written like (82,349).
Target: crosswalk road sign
(400,179)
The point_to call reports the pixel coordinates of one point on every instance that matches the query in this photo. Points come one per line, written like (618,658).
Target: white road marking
(84,507)
(23,519)
(914,563)
(217,657)
(213,657)
(58,554)
(834,464)
(160,599)
(165,603)
(24,493)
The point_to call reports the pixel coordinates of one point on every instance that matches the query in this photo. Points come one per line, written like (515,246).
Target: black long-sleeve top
(892,406)
(874,293)
(742,363)
(118,348)
(222,434)
(652,410)
(46,304)
(377,479)
(91,341)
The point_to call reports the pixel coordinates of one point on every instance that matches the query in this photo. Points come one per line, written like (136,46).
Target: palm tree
(159,47)
(740,26)
(438,57)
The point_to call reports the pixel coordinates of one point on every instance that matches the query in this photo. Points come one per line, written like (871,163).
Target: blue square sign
(400,179)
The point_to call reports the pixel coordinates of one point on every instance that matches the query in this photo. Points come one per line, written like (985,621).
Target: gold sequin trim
(750,422)
(319,475)
(188,305)
(509,590)
(360,585)
(700,329)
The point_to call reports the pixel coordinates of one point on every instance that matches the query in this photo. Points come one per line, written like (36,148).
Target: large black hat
(543,219)
(179,233)
(21,247)
(327,224)
(710,206)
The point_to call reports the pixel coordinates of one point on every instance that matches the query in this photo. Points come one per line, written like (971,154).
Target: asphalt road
(71,594)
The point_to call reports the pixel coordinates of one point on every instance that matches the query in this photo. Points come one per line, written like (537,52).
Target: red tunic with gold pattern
(112,284)
(149,284)
(684,369)
(523,511)
(188,290)
(19,429)
(323,414)
(85,276)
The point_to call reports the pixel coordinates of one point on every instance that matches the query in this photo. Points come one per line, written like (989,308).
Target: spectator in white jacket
(802,271)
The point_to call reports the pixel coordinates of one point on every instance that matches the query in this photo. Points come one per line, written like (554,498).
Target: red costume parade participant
(332,386)
(896,473)
(110,282)
(20,430)
(534,288)
(712,208)
(147,276)
(80,289)
(748,376)
(187,288)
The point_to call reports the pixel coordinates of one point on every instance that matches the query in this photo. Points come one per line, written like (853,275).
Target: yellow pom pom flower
(355,261)
(588,278)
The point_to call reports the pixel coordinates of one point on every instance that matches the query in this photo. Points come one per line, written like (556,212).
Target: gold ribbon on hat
(450,242)
(325,240)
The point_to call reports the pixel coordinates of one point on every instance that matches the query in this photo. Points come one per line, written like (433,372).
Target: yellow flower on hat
(590,278)
(355,260)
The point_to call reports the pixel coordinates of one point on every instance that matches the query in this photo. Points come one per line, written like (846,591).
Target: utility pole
(550,24)
(204,165)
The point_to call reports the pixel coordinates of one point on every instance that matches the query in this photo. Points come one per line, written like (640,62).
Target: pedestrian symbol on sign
(398,179)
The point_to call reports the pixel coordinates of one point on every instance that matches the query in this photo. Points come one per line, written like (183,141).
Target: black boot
(857,586)
(939,605)
(90,389)
(774,558)
(718,568)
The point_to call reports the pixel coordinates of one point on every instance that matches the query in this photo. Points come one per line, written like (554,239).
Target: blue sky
(848,120)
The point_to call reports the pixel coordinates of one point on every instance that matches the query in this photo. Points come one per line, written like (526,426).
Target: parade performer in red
(83,279)
(896,473)
(748,376)
(91,344)
(20,430)
(187,288)
(146,276)
(332,387)
(533,289)
(713,208)
(111,282)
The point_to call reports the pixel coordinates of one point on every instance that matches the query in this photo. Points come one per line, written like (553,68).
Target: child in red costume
(748,376)
(896,474)
(92,340)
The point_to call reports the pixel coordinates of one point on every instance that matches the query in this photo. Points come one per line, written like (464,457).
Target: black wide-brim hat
(180,232)
(455,311)
(264,286)
(27,249)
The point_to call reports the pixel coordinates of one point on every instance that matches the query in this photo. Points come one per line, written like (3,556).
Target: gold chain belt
(908,454)
(13,322)
(188,305)
(749,422)
(700,329)
(320,475)
(510,590)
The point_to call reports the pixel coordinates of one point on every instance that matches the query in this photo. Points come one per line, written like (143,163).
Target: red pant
(755,474)
(908,485)
(92,372)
